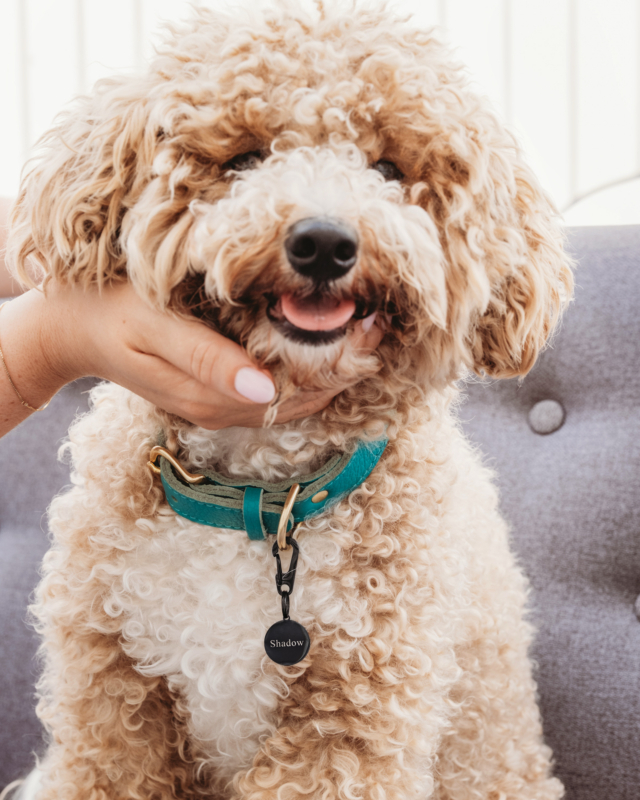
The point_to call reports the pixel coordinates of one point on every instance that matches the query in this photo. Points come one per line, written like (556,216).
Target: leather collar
(257,507)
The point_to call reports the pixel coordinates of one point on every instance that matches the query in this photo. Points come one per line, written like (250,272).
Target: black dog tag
(287,642)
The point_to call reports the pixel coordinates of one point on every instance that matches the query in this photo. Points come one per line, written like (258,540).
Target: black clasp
(288,578)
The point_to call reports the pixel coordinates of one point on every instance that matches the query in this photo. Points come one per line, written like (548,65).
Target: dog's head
(283,175)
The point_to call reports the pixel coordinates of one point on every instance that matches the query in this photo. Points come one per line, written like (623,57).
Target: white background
(564,74)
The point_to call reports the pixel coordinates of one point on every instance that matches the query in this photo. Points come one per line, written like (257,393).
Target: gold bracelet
(20,397)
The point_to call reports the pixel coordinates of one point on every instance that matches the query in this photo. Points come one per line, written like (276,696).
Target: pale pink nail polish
(254,385)
(367,322)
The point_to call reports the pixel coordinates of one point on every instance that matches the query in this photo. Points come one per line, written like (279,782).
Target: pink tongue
(317,313)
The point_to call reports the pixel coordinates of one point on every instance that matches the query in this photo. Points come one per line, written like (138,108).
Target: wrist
(32,349)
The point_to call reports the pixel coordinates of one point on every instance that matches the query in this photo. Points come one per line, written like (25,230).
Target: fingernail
(367,322)
(254,385)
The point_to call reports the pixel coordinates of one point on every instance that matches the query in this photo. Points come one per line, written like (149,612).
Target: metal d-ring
(284,517)
(156,451)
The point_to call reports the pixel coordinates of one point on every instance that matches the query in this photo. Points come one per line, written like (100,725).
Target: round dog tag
(286,642)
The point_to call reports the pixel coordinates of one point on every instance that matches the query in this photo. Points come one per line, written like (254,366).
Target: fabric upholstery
(30,475)
(570,494)
(573,500)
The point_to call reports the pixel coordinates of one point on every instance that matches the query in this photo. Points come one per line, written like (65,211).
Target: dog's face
(285,175)
(307,241)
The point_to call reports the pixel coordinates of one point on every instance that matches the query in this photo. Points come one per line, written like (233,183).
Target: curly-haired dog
(283,174)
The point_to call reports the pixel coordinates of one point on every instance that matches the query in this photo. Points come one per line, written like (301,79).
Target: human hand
(179,365)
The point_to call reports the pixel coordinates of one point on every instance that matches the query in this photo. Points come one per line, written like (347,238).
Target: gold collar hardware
(156,451)
(286,510)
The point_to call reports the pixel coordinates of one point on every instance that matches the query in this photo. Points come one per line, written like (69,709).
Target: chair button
(546,417)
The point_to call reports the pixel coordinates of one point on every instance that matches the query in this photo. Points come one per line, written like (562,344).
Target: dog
(282,174)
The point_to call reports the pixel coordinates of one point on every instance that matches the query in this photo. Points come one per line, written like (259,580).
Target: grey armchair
(565,443)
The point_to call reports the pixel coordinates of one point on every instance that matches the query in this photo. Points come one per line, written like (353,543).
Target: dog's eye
(388,170)
(243,161)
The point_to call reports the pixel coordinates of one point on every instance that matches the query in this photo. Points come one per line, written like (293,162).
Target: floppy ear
(530,281)
(107,196)
(72,200)
(508,276)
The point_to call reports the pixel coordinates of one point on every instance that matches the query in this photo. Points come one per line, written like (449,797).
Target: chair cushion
(572,498)
(30,475)
(565,443)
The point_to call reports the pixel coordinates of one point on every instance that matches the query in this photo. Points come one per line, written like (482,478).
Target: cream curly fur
(417,684)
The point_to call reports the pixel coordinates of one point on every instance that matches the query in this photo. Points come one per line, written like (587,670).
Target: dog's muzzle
(323,250)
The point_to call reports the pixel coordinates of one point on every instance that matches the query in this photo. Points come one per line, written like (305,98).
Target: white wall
(565,74)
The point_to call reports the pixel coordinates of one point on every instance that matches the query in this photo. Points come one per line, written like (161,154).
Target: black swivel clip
(286,580)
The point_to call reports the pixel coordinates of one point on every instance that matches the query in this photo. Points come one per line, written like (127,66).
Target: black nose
(320,248)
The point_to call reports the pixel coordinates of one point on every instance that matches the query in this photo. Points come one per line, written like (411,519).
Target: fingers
(170,388)
(179,364)
(207,357)
(211,361)
(367,334)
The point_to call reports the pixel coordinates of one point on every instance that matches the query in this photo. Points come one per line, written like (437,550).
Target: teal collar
(256,508)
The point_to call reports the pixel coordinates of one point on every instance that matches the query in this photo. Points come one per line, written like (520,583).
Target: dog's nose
(320,248)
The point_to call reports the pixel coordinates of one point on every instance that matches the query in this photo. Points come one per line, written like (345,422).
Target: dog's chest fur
(386,580)
(197,600)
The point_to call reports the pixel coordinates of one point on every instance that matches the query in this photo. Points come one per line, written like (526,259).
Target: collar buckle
(156,451)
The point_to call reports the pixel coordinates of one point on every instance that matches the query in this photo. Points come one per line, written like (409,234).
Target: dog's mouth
(314,319)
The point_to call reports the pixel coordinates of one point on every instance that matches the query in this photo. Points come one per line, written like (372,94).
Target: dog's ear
(107,195)
(529,275)
(76,190)
(509,276)
(525,301)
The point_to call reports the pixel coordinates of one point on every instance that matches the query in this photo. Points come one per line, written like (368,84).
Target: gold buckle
(156,451)
(284,517)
